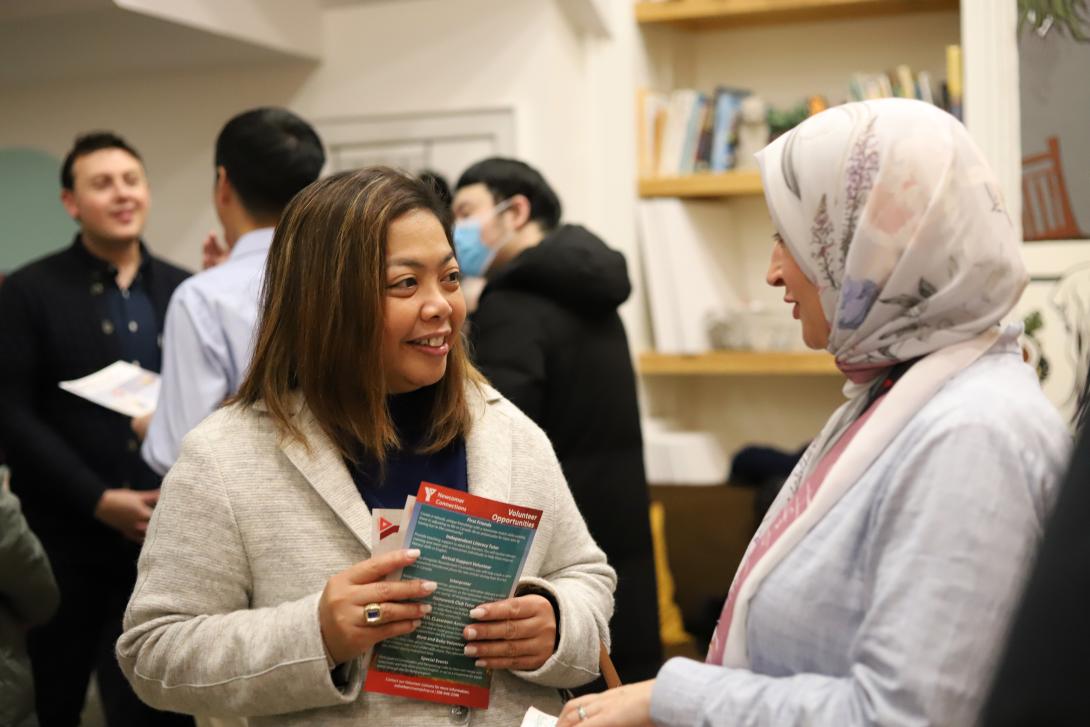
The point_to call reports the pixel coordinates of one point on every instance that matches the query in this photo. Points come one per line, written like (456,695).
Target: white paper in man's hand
(122,387)
(537,718)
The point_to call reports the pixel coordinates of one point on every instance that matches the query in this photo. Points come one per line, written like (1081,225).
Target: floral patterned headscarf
(890,209)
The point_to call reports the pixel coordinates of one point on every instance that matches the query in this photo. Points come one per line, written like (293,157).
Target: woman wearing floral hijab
(879,586)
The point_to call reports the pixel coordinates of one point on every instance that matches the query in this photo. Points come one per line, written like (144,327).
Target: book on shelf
(685,289)
(728,103)
(651,112)
(673,455)
(694,123)
(923,86)
(702,158)
(905,86)
(901,82)
(686,131)
(953,79)
(679,108)
(869,86)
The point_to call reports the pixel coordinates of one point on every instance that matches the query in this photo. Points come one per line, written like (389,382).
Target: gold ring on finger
(372,614)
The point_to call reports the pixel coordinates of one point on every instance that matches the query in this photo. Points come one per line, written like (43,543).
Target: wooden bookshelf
(739,363)
(727,184)
(726,13)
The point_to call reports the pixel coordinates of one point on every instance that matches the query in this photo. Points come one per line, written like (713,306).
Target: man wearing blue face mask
(547,334)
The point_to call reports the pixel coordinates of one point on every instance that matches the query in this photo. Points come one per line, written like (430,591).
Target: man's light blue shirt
(207,344)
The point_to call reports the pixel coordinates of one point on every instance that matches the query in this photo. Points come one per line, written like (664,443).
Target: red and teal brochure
(475,549)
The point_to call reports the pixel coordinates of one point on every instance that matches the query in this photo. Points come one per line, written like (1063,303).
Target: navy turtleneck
(406,467)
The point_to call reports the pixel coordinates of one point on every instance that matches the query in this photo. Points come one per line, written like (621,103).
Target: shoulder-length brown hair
(324,300)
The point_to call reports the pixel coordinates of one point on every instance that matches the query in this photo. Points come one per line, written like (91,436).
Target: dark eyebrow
(416,264)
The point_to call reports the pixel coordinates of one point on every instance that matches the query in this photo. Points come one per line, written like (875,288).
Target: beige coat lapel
(326,472)
(488,447)
(488,460)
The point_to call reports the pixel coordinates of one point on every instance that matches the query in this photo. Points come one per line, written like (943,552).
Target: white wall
(172,119)
(572,95)
(430,55)
(381,57)
(289,26)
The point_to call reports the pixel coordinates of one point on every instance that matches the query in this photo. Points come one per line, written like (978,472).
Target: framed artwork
(1053,46)
(1054,55)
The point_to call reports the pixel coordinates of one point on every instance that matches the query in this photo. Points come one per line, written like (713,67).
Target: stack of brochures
(475,549)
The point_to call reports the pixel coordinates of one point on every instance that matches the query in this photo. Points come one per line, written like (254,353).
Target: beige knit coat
(249,527)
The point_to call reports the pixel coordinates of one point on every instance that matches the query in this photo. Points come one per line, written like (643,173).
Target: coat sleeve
(191,641)
(947,549)
(575,572)
(61,469)
(26,578)
(510,350)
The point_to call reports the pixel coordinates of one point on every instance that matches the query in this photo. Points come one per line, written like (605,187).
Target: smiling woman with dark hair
(256,589)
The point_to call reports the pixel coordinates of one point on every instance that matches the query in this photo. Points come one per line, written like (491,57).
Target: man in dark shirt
(77,467)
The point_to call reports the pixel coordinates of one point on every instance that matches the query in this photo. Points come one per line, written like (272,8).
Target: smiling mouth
(434,345)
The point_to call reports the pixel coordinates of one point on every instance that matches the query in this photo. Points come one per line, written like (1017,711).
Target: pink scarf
(764,540)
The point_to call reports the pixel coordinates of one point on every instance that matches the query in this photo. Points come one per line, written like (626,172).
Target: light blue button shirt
(207,344)
(891,612)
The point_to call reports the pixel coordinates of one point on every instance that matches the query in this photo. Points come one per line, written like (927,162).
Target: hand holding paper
(344,627)
(537,718)
(122,387)
(627,706)
(517,633)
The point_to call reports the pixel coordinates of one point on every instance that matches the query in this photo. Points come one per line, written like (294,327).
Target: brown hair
(323,308)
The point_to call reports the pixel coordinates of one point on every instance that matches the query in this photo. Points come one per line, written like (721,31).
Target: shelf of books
(726,13)
(739,363)
(719,80)
(723,184)
(692,143)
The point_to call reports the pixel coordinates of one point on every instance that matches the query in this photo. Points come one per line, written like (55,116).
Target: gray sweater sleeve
(26,578)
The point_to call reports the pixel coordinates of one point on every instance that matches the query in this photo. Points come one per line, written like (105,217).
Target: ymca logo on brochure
(429,492)
(386,528)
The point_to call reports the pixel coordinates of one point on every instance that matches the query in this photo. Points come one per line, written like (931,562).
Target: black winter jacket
(547,335)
